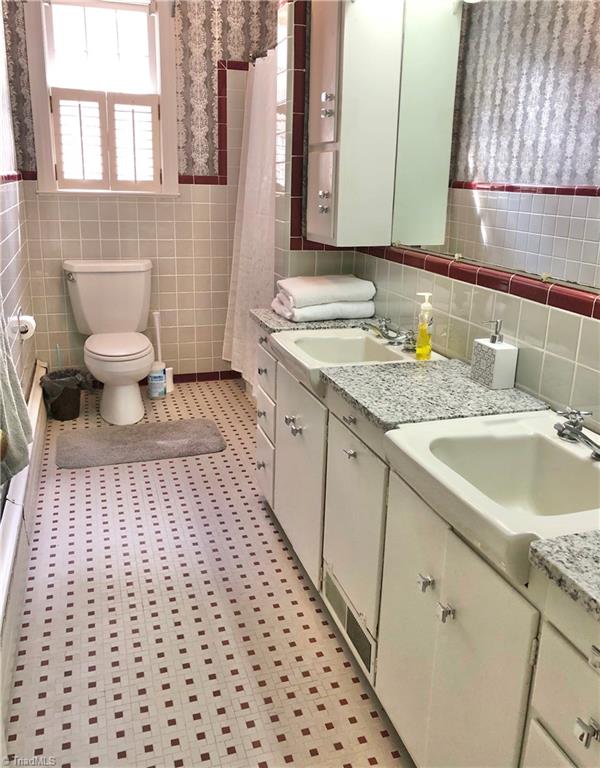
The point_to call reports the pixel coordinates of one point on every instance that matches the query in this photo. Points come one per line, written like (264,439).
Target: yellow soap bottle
(424,328)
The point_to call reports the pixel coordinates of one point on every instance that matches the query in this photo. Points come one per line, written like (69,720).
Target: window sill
(105,193)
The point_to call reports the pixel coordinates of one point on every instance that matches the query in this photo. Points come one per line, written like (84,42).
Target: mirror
(525,170)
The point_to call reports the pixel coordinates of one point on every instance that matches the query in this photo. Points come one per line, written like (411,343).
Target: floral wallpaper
(528,97)
(206,31)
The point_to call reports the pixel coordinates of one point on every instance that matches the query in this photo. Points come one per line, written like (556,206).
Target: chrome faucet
(571,430)
(392,334)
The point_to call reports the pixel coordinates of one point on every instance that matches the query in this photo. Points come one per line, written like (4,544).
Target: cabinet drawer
(541,751)
(266,369)
(355,421)
(265,465)
(265,414)
(566,688)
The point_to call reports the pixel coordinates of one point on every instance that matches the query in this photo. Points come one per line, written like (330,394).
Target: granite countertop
(273,322)
(403,393)
(573,563)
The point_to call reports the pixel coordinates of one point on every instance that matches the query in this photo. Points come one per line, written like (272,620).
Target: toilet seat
(117,346)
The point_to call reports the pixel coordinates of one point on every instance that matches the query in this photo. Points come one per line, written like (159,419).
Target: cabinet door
(482,666)
(300,470)
(354,519)
(566,690)
(541,751)
(415,545)
(324,62)
(320,196)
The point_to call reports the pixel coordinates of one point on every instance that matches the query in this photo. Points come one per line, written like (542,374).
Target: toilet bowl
(119,361)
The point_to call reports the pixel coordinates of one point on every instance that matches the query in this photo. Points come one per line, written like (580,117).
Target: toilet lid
(116,346)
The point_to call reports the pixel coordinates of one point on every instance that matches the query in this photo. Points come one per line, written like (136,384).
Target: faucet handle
(573,415)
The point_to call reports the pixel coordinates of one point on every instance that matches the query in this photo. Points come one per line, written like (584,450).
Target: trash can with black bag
(62,392)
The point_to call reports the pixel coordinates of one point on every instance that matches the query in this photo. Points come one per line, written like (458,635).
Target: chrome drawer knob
(261,414)
(586,732)
(349,419)
(295,430)
(261,371)
(351,454)
(260,465)
(445,612)
(425,582)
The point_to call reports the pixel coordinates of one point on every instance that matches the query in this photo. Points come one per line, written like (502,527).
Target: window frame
(43,119)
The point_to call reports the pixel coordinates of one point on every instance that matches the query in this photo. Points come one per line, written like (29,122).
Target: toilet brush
(157,378)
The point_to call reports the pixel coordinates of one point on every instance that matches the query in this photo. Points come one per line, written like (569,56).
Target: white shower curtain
(254,235)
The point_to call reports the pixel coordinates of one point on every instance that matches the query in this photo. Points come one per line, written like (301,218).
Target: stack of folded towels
(330,297)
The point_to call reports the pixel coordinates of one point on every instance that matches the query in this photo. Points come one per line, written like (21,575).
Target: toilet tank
(109,296)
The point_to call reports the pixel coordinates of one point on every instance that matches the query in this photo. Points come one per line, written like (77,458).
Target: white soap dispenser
(494,362)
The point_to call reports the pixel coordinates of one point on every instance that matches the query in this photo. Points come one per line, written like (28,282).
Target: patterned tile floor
(167,623)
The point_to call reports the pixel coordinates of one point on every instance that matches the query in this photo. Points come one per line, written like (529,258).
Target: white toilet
(110,302)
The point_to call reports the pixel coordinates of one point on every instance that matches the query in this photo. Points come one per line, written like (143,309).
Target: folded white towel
(337,310)
(308,291)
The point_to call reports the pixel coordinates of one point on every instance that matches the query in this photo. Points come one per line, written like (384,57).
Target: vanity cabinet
(461,700)
(355,504)
(566,698)
(379,141)
(300,433)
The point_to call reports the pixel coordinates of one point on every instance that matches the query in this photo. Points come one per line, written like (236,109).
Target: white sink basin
(304,353)
(501,481)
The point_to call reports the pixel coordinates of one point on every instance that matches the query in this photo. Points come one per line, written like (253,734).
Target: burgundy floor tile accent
(494,278)
(465,272)
(528,288)
(166,595)
(573,300)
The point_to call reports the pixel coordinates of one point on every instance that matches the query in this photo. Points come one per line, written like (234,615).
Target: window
(106,68)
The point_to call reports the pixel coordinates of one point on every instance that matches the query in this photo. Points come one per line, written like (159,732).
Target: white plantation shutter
(79,119)
(134,142)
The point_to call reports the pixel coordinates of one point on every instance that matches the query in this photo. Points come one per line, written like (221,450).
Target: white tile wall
(559,352)
(554,234)
(188,239)
(14,273)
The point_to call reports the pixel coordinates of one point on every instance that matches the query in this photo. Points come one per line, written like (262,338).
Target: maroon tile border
(180,378)
(532,189)
(7,178)
(576,300)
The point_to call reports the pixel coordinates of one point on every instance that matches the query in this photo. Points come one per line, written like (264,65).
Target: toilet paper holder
(19,327)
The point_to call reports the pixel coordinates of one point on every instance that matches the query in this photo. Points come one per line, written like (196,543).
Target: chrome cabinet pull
(260,414)
(586,732)
(260,465)
(326,112)
(349,419)
(325,97)
(445,612)
(323,209)
(425,582)
(351,454)
(261,371)
(289,420)
(263,339)
(323,194)
(295,430)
